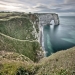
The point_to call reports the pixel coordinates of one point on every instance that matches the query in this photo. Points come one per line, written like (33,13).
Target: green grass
(16,68)
(19,28)
(60,63)
(26,48)
(12,63)
(17,35)
(4,14)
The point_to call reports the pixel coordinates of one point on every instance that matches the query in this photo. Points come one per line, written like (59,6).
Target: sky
(61,7)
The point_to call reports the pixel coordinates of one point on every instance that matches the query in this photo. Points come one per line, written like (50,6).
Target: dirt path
(17,39)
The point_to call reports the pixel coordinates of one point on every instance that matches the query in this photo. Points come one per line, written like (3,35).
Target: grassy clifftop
(19,28)
(17,35)
(26,48)
(15,64)
(60,63)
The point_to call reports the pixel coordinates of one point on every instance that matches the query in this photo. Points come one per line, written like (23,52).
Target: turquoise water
(59,37)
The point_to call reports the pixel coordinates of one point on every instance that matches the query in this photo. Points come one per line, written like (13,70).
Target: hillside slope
(26,48)
(15,64)
(19,28)
(60,63)
(17,35)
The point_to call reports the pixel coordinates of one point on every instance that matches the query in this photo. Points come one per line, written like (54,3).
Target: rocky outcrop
(46,18)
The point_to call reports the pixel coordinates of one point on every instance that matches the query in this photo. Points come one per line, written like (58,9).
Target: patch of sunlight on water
(49,44)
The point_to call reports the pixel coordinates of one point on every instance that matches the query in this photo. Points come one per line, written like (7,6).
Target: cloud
(41,6)
(69,1)
(55,6)
(14,5)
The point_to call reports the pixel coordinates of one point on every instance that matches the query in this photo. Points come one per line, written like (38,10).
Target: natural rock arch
(46,18)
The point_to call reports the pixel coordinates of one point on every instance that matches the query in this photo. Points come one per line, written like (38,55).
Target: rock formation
(46,18)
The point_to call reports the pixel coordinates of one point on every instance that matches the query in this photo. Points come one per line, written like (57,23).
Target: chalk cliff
(46,18)
(41,19)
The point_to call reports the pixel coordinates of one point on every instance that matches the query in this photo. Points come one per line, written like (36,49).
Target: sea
(59,37)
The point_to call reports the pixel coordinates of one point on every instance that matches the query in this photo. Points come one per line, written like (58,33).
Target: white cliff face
(56,19)
(46,18)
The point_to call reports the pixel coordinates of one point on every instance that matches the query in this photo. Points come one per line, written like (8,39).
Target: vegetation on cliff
(19,50)
(17,35)
(15,64)
(60,63)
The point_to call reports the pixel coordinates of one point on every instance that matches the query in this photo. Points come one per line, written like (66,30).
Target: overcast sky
(62,7)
